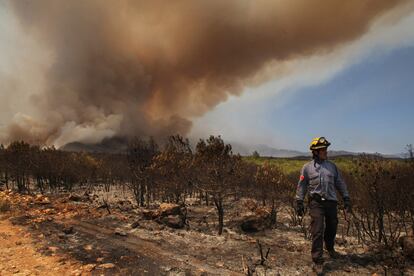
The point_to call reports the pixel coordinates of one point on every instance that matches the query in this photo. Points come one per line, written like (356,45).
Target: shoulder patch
(302,177)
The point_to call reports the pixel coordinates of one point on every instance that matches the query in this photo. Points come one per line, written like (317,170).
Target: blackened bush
(381,198)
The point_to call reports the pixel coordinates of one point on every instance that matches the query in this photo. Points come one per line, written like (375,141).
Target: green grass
(288,165)
(292,165)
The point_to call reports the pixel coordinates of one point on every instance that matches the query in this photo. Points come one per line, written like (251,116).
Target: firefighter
(320,178)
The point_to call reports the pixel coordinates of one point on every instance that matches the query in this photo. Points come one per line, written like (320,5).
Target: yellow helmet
(319,143)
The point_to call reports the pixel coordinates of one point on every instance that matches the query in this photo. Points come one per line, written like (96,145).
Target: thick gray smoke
(132,67)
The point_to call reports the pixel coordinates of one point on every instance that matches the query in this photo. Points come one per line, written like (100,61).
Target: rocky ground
(69,234)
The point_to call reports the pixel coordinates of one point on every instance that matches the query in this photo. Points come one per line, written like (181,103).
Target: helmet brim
(319,147)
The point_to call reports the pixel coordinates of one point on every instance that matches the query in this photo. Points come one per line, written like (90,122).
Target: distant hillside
(119,145)
(112,145)
(264,150)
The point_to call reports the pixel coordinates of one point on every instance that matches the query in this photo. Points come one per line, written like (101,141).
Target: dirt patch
(20,255)
(58,236)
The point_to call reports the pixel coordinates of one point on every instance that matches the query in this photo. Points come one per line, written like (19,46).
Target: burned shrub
(5,205)
(382,194)
(273,187)
(19,162)
(173,170)
(218,172)
(140,155)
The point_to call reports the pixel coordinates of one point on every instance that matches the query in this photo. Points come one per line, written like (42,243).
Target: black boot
(317,267)
(333,254)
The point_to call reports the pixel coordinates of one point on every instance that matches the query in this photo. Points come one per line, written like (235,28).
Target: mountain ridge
(120,144)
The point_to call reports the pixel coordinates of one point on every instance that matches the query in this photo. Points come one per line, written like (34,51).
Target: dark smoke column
(127,67)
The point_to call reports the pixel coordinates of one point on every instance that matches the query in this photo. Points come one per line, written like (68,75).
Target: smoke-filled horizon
(147,68)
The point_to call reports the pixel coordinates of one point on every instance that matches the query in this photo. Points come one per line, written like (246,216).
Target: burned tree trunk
(218,201)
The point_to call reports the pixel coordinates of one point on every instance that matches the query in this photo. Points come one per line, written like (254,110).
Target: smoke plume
(134,67)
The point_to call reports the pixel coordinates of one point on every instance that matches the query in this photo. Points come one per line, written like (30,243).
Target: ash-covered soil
(78,235)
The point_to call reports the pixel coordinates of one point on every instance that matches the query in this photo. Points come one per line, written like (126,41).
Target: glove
(347,204)
(300,208)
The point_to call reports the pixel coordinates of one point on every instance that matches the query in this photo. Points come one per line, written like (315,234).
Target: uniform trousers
(324,222)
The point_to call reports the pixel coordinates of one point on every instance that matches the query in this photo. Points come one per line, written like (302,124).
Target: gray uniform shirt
(323,178)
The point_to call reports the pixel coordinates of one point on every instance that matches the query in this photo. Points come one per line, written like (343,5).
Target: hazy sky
(360,96)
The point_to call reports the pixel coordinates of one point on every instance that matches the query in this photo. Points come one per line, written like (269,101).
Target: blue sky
(367,107)
(361,99)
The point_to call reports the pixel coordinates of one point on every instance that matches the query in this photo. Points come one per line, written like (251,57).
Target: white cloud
(239,119)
